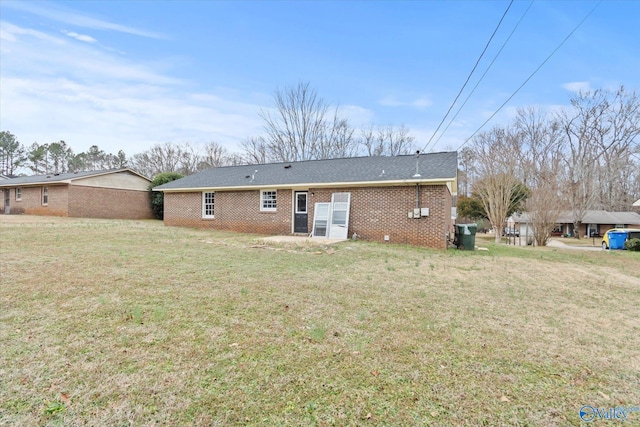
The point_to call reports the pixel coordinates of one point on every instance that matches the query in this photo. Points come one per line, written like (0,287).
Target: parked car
(631,234)
(511,232)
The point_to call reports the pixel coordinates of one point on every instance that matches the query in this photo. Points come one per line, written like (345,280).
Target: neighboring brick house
(116,193)
(594,223)
(380,198)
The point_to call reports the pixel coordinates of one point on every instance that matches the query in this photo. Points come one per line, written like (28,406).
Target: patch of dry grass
(124,322)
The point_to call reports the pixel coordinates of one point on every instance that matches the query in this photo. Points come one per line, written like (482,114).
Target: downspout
(417,176)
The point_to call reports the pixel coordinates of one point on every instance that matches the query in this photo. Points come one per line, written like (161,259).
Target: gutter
(389,183)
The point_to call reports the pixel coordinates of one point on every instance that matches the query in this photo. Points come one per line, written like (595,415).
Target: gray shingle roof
(379,169)
(61,178)
(604,217)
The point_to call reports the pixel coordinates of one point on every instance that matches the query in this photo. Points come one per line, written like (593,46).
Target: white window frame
(18,194)
(45,196)
(592,228)
(306,202)
(264,201)
(205,204)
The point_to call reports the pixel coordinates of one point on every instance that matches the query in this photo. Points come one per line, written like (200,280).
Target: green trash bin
(465,238)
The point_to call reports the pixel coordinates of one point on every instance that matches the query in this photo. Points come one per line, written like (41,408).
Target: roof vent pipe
(417,174)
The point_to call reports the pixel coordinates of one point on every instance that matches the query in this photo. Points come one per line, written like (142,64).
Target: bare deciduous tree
(302,128)
(159,158)
(600,129)
(255,150)
(214,155)
(387,141)
(190,160)
(466,159)
(498,183)
(616,135)
(539,158)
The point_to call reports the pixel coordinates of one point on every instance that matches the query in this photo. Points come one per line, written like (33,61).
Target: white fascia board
(109,172)
(52,180)
(453,187)
(304,186)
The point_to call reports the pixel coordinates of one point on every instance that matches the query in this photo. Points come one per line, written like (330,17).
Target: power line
(469,76)
(485,73)
(525,82)
(531,75)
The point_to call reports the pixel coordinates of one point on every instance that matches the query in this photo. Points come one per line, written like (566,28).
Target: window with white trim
(18,194)
(268,200)
(208,203)
(593,230)
(45,195)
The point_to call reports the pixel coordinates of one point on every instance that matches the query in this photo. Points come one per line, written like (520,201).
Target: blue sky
(129,74)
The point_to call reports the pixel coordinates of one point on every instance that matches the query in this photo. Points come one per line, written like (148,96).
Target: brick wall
(31,202)
(234,211)
(375,212)
(97,202)
(80,201)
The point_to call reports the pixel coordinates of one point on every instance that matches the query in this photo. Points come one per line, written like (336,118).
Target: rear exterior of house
(379,196)
(120,193)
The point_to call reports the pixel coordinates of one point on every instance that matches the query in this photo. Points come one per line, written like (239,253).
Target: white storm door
(321,219)
(339,224)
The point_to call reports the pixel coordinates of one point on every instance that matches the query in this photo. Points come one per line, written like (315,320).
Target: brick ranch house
(594,223)
(116,193)
(399,199)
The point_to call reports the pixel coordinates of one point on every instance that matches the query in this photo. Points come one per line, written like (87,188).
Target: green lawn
(133,323)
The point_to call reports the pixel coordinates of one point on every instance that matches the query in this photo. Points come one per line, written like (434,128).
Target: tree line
(54,157)
(585,156)
(300,126)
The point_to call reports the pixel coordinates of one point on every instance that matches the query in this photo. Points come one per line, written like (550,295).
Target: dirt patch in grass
(130,322)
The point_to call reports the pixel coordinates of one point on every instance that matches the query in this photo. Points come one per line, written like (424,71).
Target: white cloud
(577,86)
(55,89)
(357,114)
(392,101)
(35,53)
(56,13)
(81,37)
(9,33)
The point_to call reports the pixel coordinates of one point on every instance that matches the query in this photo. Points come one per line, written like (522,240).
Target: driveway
(553,243)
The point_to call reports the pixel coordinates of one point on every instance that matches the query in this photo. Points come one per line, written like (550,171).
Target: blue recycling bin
(617,239)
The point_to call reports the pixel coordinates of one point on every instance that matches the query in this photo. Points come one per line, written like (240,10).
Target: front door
(7,201)
(301,215)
